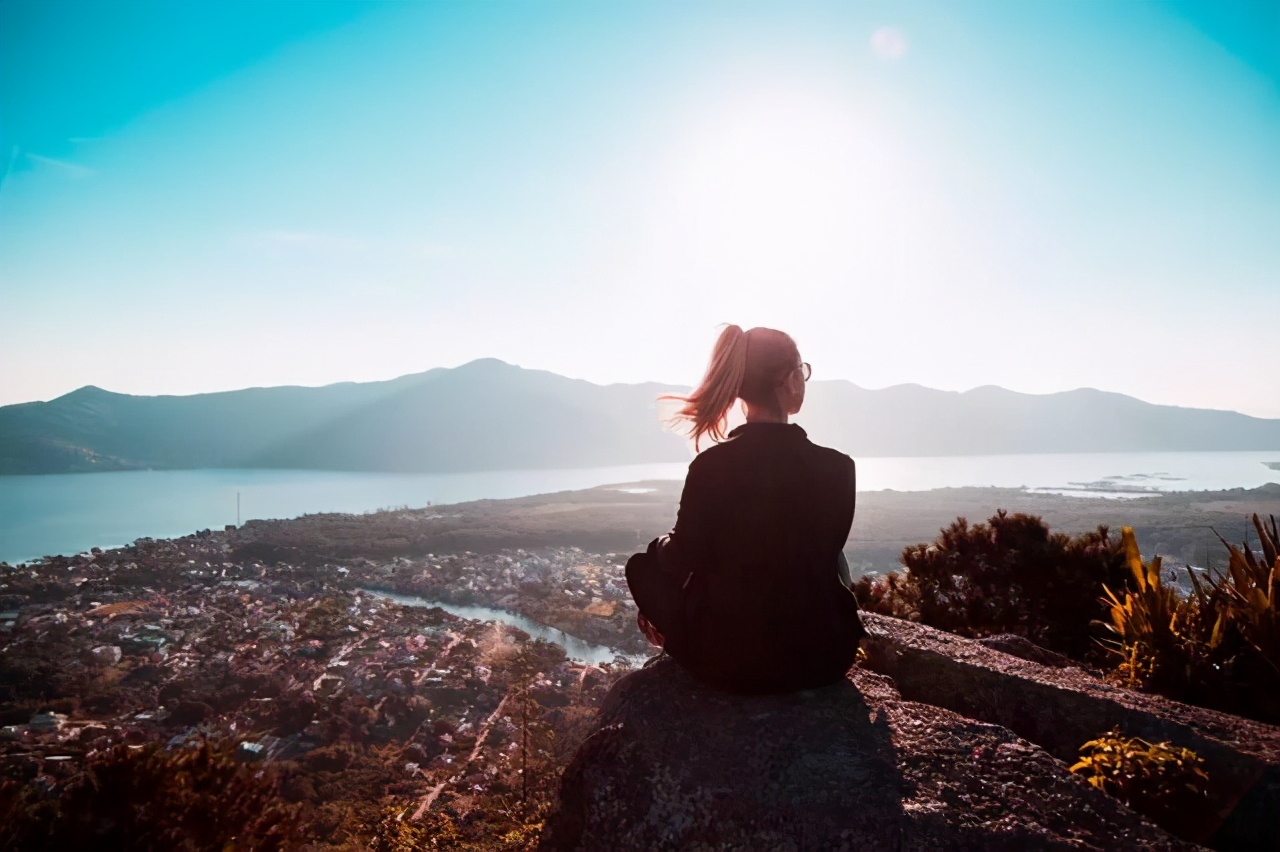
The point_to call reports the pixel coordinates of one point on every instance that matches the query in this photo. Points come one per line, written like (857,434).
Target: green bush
(1008,575)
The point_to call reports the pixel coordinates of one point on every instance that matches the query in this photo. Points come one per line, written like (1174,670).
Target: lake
(69,513)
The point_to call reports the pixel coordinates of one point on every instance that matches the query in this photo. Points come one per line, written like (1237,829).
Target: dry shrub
(391,830)
(494,830)
(150,798)
(889,595)
(327,619)
(497,647)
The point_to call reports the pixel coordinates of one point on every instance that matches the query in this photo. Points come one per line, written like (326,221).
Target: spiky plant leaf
(1133,557)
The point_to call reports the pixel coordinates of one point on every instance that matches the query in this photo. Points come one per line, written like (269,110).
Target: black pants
(659,593)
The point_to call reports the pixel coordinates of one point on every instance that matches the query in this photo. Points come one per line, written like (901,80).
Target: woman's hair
(746,365)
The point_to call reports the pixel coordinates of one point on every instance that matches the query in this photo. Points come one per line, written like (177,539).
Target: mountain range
(489,415)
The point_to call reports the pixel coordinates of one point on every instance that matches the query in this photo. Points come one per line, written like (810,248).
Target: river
(578,649)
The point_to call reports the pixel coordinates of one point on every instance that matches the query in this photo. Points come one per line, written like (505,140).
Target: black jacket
(763,519)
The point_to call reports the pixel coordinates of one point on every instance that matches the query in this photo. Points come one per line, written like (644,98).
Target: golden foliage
(1219,646)
(1145,618)
(1164,782)
(1245,597)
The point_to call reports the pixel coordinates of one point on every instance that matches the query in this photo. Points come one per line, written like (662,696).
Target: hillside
(489,415)
(366,722)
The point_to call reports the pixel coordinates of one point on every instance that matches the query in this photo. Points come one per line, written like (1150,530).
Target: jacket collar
(788,430)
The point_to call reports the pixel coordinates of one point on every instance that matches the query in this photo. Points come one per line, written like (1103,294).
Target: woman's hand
(650,632)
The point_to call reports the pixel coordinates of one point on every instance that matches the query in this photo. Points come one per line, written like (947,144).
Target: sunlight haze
(1040,196)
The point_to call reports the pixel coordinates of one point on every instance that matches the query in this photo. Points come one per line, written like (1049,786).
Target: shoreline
(884,516)
(65,513)
(557,559)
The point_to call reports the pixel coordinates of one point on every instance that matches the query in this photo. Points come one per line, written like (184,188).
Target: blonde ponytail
(707,407)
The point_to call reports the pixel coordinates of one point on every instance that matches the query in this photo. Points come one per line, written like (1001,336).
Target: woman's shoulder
(831,455)
(711,458)
(734,452)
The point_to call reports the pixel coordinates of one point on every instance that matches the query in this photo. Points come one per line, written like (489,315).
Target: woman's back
(745,591)
(763,519)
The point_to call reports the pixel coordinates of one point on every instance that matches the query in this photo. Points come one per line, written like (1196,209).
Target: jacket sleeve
(689,544)
(850,500)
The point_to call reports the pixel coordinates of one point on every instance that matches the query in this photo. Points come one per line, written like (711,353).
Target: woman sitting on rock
(749,591)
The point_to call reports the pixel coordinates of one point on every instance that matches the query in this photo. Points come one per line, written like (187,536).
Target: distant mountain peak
(486,365)
(87,392)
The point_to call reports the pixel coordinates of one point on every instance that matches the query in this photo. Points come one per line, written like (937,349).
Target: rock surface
(1062,708)
(1022,647)
(674,765)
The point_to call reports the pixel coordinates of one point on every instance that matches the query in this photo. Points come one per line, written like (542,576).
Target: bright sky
(1043,196)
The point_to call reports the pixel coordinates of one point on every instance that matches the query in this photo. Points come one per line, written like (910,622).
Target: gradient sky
(1044,196)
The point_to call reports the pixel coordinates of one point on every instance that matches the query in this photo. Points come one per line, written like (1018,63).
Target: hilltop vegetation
(1093,598)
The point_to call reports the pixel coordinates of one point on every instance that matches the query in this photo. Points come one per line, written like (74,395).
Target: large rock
(674,765)
(1062,708)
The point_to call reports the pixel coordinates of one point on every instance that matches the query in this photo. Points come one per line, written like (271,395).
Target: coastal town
(359,703)
(408,678)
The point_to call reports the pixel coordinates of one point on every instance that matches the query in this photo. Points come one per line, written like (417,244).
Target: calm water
(1084,474)
(68,513)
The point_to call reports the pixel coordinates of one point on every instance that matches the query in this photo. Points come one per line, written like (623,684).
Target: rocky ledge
(963,747)
(1060,707)
(672,765)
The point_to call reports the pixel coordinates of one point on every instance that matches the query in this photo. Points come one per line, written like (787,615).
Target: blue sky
(1049,195)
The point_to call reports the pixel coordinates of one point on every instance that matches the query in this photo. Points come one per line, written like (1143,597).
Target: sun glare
(789,185)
